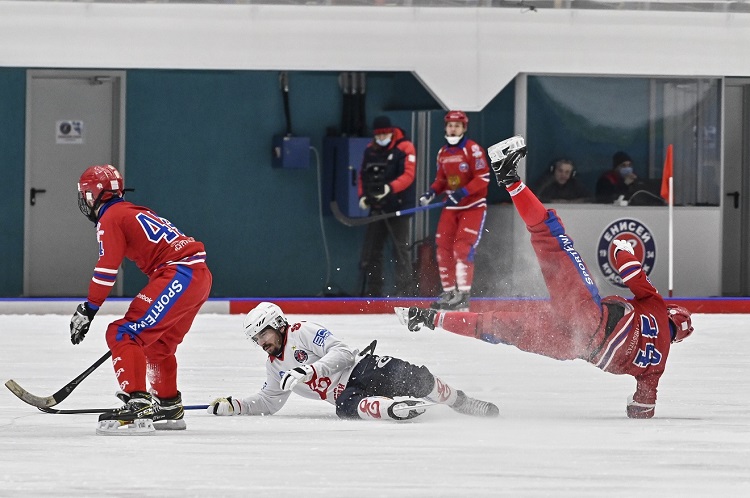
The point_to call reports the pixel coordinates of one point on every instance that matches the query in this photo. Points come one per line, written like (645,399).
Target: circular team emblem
(640,238)
(300,355)
(463,167)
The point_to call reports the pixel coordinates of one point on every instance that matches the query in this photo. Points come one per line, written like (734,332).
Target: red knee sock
(163,377)
(129,363)
(527,204)
(458,322)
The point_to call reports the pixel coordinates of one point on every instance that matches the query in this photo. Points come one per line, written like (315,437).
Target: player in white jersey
(307,359)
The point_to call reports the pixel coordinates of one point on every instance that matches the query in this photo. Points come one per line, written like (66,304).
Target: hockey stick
(103,410)
(355,222)
(46,402)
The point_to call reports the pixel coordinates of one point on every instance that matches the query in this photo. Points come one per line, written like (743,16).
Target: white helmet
(262,316)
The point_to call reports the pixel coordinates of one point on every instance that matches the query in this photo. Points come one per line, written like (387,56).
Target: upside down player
(146,338)
(307,359)
(618,335)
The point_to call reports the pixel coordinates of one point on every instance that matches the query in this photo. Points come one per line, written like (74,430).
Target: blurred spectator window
(588,119)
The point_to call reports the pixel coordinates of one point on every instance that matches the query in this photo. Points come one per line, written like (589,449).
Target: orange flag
(667,174)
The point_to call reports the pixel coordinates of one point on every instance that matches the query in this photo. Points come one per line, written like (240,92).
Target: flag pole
(667,193)
(671,234)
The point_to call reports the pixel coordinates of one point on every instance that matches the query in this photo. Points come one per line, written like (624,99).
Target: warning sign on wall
(69,132)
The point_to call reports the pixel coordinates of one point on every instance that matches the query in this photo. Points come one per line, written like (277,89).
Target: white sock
(442,393)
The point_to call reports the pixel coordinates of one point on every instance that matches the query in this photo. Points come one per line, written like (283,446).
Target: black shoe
(421,316)
(169,413)
(442,300)
(459,302)
(505,156)
(478,408)
(135,417)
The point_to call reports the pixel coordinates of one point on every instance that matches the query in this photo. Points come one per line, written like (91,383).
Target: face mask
(383,142)
(453,140)
(627,170)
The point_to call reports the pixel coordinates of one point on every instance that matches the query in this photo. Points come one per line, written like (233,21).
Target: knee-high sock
(163,377)
(129,363)
(458,322)
(527,204)
(442,393)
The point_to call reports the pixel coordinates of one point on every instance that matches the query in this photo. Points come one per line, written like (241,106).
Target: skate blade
(500,150)
(139,427)
(402,314)
(170,425)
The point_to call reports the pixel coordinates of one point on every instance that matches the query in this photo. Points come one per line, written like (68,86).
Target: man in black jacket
(386,184)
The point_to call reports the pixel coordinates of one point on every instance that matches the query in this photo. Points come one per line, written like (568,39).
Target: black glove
(81,321)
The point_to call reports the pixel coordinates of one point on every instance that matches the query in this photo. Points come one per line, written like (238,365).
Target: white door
(74,119)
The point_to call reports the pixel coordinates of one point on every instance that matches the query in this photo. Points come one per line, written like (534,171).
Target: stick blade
(29,398)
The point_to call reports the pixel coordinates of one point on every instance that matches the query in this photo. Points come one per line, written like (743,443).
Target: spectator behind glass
(560,184)
(619,181)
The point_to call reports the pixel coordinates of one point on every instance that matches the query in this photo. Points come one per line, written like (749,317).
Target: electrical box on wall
(342,157)
(291,152)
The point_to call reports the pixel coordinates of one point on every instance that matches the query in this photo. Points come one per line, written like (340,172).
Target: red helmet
(459,116)
(98,184)
(680,319)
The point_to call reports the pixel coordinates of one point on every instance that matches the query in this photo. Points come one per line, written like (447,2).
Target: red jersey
(463,165)
(125,230)
(639,343)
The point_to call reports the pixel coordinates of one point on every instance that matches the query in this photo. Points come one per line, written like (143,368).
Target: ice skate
(459,302)
(442,300)
(413,318)
(169,414)
(477,408)
(400,409)
(505,156)
(135,418)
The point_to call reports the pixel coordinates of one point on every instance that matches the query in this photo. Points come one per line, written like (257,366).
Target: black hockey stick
(355,222)
(102,410)
(46,402)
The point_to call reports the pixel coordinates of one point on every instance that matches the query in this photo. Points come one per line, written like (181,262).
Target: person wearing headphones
(561,185)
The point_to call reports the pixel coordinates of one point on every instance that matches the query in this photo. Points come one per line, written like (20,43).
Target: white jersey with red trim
(306,343)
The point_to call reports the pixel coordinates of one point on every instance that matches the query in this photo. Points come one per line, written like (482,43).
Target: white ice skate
(500,150)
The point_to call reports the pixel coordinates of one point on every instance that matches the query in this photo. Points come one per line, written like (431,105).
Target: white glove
(363,204)
(623,245)
(426,198)
(386,191)
(297,374)
(225,406)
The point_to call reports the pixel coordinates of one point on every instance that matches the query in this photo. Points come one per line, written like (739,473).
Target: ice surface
(562,429)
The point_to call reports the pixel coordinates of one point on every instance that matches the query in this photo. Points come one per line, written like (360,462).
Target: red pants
(154,325)
(565,328)
(458,234)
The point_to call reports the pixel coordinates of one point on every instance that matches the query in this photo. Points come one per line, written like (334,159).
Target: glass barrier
(612,133)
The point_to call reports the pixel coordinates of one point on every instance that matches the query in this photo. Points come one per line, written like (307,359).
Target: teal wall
(12,136)
(198,152)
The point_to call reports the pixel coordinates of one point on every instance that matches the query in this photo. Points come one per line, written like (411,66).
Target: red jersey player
(618,335)
(158,317)
(462,174)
